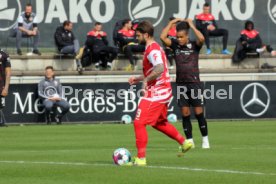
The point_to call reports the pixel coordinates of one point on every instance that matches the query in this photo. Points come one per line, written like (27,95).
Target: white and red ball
(121,156)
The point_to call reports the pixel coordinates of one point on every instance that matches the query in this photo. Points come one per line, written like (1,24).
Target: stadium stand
(215,63)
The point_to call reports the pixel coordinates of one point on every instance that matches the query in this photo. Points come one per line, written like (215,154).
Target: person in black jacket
(66,41)
(250,41)
(97,41)
(129,43)
(206,24)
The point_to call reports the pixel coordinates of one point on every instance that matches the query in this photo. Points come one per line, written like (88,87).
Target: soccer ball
(121,156)
(172,118)
(126,119)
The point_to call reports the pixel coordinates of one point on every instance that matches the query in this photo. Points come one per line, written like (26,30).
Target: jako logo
(147,10)
(8,14)
(271,8)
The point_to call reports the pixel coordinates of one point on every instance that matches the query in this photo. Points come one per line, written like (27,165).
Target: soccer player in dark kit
(187,75)
(5,76)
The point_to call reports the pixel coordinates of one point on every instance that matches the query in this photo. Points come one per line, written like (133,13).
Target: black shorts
(190,94)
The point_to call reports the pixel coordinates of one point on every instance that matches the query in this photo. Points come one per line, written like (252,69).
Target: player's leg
(2,116)
(65,106)
(19,35)
(129,54)
(165,127)
(68,50)
(148,113)
(197,104)
(140,123)
(48,104)
(184,104)
(187,124)
(202,123)
(206,35)
(36,42)
(224,34)
(113,53)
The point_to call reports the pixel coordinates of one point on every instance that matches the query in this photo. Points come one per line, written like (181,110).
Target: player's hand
(34,33)
(273,53)
(57,98)
(174,21)
(5,92)
(190,22)
(133,80)
(54,99)
(211,27)
(29,33)
(144,88)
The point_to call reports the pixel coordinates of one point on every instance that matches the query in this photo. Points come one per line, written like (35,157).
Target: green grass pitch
(241,152)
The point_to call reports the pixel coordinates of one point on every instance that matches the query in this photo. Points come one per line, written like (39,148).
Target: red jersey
(95,34)
(250,34)
(205,17)
(158,90)
(127,33)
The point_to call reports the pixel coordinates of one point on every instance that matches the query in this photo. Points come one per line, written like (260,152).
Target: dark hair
(28,5)
(145,27)
(171,18)
(98,23)
(66,23)
(182,26)
(206,4)
(247,23)
(49,68)
(125,21)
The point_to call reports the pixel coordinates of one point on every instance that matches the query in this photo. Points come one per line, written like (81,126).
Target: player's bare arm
(7,82)
(135,79)
(156,72)
(164,34)
(199,36)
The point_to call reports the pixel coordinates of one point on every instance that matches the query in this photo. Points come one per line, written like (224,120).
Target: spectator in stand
(67,43)
(129,43)
(206,24)
(168,50)
(250,42)
(102,54)
(26,27)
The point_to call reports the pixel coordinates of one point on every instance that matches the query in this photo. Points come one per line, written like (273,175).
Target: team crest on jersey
(189,45)
(177,52)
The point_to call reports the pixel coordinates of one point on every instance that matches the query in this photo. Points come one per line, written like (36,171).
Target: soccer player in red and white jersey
(153,106)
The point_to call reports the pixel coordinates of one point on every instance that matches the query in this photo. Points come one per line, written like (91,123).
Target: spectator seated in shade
(250,42)
(67,43)
(26,27)
(206,24)
(102,53)
(52,95)
(128,42)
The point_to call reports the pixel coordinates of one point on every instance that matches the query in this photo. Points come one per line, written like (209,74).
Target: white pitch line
(152,167)
(254,148)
